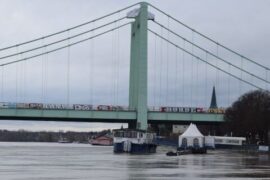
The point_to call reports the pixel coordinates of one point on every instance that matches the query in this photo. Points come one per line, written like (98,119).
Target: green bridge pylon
(138,63)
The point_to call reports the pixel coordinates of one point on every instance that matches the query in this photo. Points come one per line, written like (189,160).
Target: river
(53,161)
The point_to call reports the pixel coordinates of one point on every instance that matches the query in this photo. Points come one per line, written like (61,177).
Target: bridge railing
(187,109)
(79,107)
(89,107)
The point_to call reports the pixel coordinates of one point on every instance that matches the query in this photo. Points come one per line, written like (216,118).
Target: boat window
(141,135)
(218,140)
(134,134)
(118,134)
(121,134)
(232,141)
(125,134)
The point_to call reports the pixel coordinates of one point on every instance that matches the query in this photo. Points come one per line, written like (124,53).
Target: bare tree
(250,116)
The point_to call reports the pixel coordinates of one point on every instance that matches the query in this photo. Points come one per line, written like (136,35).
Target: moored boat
(134,141)
(63,140)
(102,140)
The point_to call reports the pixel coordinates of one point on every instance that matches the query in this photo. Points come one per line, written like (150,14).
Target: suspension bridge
(137,65)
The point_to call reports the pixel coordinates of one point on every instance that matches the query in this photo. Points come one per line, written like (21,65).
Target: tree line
(48,136)
(249,116)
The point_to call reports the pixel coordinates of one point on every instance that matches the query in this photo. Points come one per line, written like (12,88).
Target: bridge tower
(138,63)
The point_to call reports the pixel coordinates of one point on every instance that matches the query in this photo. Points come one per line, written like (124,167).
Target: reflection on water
(29,161)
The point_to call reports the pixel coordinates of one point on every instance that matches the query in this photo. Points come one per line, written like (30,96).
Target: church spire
(213,104)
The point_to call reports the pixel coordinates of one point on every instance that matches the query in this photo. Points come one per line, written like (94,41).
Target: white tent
(192,137)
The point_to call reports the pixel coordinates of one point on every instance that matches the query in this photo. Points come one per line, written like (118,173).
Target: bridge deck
(104,116)
(187,117)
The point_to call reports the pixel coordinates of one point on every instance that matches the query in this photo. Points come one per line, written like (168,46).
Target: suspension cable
(114,65)
(217,72)
(192,71)
(175,79)
(68,72)
(62,47)
(266,74)
(155,71)
(43,76)
(112,89)
(20,80)
(62,40)
(2,83)
(167,66)
(16,79)
(208,38)
(74,27)
(199,47)
(160,68)
(241,75)
(183,74)
(91,69)
(118,64)
(114,76)
(229,86)
(206,84)
(197,80)
(46,77)
(204,60)
(25,80)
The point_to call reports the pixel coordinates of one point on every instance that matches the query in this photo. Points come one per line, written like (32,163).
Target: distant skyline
(242,25)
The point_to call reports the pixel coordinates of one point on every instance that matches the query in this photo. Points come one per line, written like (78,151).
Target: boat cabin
(137,136)
(134,141)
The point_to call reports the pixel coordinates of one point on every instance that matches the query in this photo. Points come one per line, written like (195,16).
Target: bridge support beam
(138,67)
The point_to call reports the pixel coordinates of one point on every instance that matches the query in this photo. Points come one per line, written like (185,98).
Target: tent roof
(192,131)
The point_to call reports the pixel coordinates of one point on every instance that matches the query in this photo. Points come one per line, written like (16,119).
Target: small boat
(171,153)
(63,140)
(102,140)
(179,152)
(134,141)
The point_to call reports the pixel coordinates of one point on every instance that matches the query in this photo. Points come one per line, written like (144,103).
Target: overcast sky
(99,68)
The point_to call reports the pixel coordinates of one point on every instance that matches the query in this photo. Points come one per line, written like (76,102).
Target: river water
(53,161)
